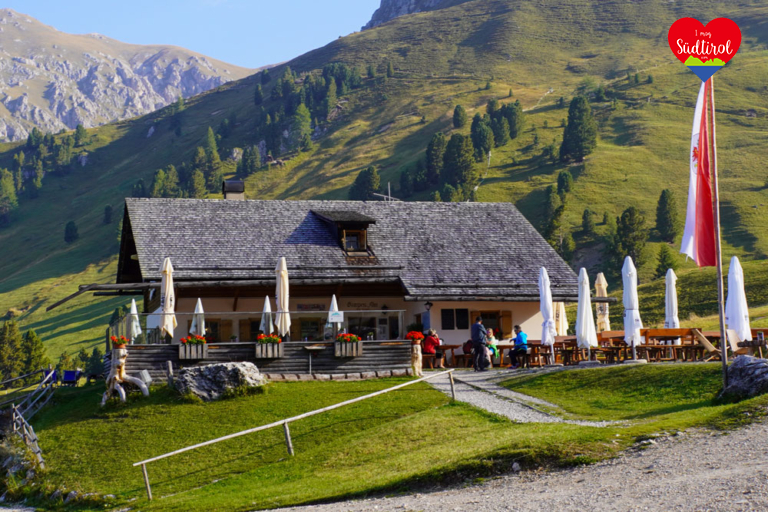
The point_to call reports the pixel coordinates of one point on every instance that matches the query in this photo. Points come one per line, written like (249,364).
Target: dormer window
(350,229)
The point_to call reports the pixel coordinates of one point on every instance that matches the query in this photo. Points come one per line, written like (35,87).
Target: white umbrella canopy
(134,326)
(632,322)
(266,317)
(736,308)
(167,299)
(198,320)
(601,290)
(334,308)
(561,319)
(671,320)
(548,331)
(283,318)
(586,336)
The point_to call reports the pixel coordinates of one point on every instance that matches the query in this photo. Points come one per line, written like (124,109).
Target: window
(353,242)
(447,320)
(462,319)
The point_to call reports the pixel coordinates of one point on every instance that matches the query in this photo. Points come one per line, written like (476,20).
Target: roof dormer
(350,229)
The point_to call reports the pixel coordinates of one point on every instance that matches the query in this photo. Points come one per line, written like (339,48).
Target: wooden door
(505,321)
(245,330)
(225,331)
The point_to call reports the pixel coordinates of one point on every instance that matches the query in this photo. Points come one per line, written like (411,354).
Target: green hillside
(540,49)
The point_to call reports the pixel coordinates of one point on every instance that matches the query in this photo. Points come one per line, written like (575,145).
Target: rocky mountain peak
(391,9)
(53,80)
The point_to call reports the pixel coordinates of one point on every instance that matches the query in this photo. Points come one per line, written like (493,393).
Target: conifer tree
(630,239)
(95,364)
(171,187)
(580,134)
(65,363)
(564,183)
(500,127)
(366,184)
(197,188)
(8,198)
(107,214)
(390,70)
(435,152)
(301,128)
(265,77)
(158,184)
(213,167)
(552,201)
(482,137)
(70,232)
(515,117)
(588,222)
(80,135)
(419,176)
(667,223)
(666,261)
(139,190)
(258,95)
(492,106)
(436,197)
(371,71)
(33,354)
(459,117)
(18,171)
(329,103)
(82,359)
(11,360)
(552,231)
(406,184)
(458,163)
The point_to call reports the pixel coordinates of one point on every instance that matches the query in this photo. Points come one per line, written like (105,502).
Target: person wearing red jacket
(430,346)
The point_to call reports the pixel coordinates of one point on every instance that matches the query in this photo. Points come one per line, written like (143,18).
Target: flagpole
(718,248)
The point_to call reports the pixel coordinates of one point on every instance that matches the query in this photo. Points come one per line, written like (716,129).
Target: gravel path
(698,470)
(482,390)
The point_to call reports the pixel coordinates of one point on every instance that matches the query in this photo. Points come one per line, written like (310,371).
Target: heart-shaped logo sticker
(704,49)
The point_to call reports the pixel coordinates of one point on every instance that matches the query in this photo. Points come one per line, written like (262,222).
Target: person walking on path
(521,346)
(479,344)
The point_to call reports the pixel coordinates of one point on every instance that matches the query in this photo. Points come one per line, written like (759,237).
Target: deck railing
(284,423)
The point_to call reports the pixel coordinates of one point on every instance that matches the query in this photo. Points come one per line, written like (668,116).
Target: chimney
(233,190)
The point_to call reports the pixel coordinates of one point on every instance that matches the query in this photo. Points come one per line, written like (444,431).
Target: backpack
(467,347)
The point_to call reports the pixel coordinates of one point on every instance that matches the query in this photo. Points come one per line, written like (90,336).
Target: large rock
(213,381)
(747,377)
(391,9)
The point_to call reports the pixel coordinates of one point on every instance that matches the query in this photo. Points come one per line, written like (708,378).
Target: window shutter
(506,324)
(226,330)
(245,330)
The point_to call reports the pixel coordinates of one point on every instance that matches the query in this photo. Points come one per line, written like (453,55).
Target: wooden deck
(378,356)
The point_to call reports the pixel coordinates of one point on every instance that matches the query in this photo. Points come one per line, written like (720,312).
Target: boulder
(747,377)
(211,382)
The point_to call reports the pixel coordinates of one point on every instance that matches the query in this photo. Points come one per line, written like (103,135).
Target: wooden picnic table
(452,348)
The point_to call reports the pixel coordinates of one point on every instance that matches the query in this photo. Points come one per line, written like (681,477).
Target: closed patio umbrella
(632,322)
(167,299)
(134,326)
(601,290)
(548,331)
(283,318)
(334,308)
(561,319)
(671,320)
(198,320)
(586,336)
(736,308)
(266,317)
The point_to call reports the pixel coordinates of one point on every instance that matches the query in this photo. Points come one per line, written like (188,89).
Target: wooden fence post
(453,388)
(146,481)
(288,442)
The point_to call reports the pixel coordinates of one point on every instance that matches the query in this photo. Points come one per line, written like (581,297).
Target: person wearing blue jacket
(521,346)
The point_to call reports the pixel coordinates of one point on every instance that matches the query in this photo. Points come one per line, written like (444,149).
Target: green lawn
(390,443)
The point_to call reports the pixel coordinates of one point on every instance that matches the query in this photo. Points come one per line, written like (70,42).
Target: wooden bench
(465,358)
(428,357)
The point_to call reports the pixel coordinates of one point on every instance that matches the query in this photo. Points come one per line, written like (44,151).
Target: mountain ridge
(53,80)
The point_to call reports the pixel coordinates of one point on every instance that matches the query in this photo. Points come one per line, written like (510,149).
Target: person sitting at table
(521,346)
(492,350)
(430,346)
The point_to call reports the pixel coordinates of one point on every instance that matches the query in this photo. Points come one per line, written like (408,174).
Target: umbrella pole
(634,351)
(718,247)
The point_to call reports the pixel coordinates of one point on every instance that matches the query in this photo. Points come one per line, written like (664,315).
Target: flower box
(343,349)
(193,351)
(269,351)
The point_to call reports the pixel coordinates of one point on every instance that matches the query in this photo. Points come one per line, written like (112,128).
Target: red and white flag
(699,235)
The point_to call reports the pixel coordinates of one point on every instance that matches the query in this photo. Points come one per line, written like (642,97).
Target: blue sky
(249,33)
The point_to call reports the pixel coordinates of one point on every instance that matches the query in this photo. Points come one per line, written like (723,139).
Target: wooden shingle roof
(437,250)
